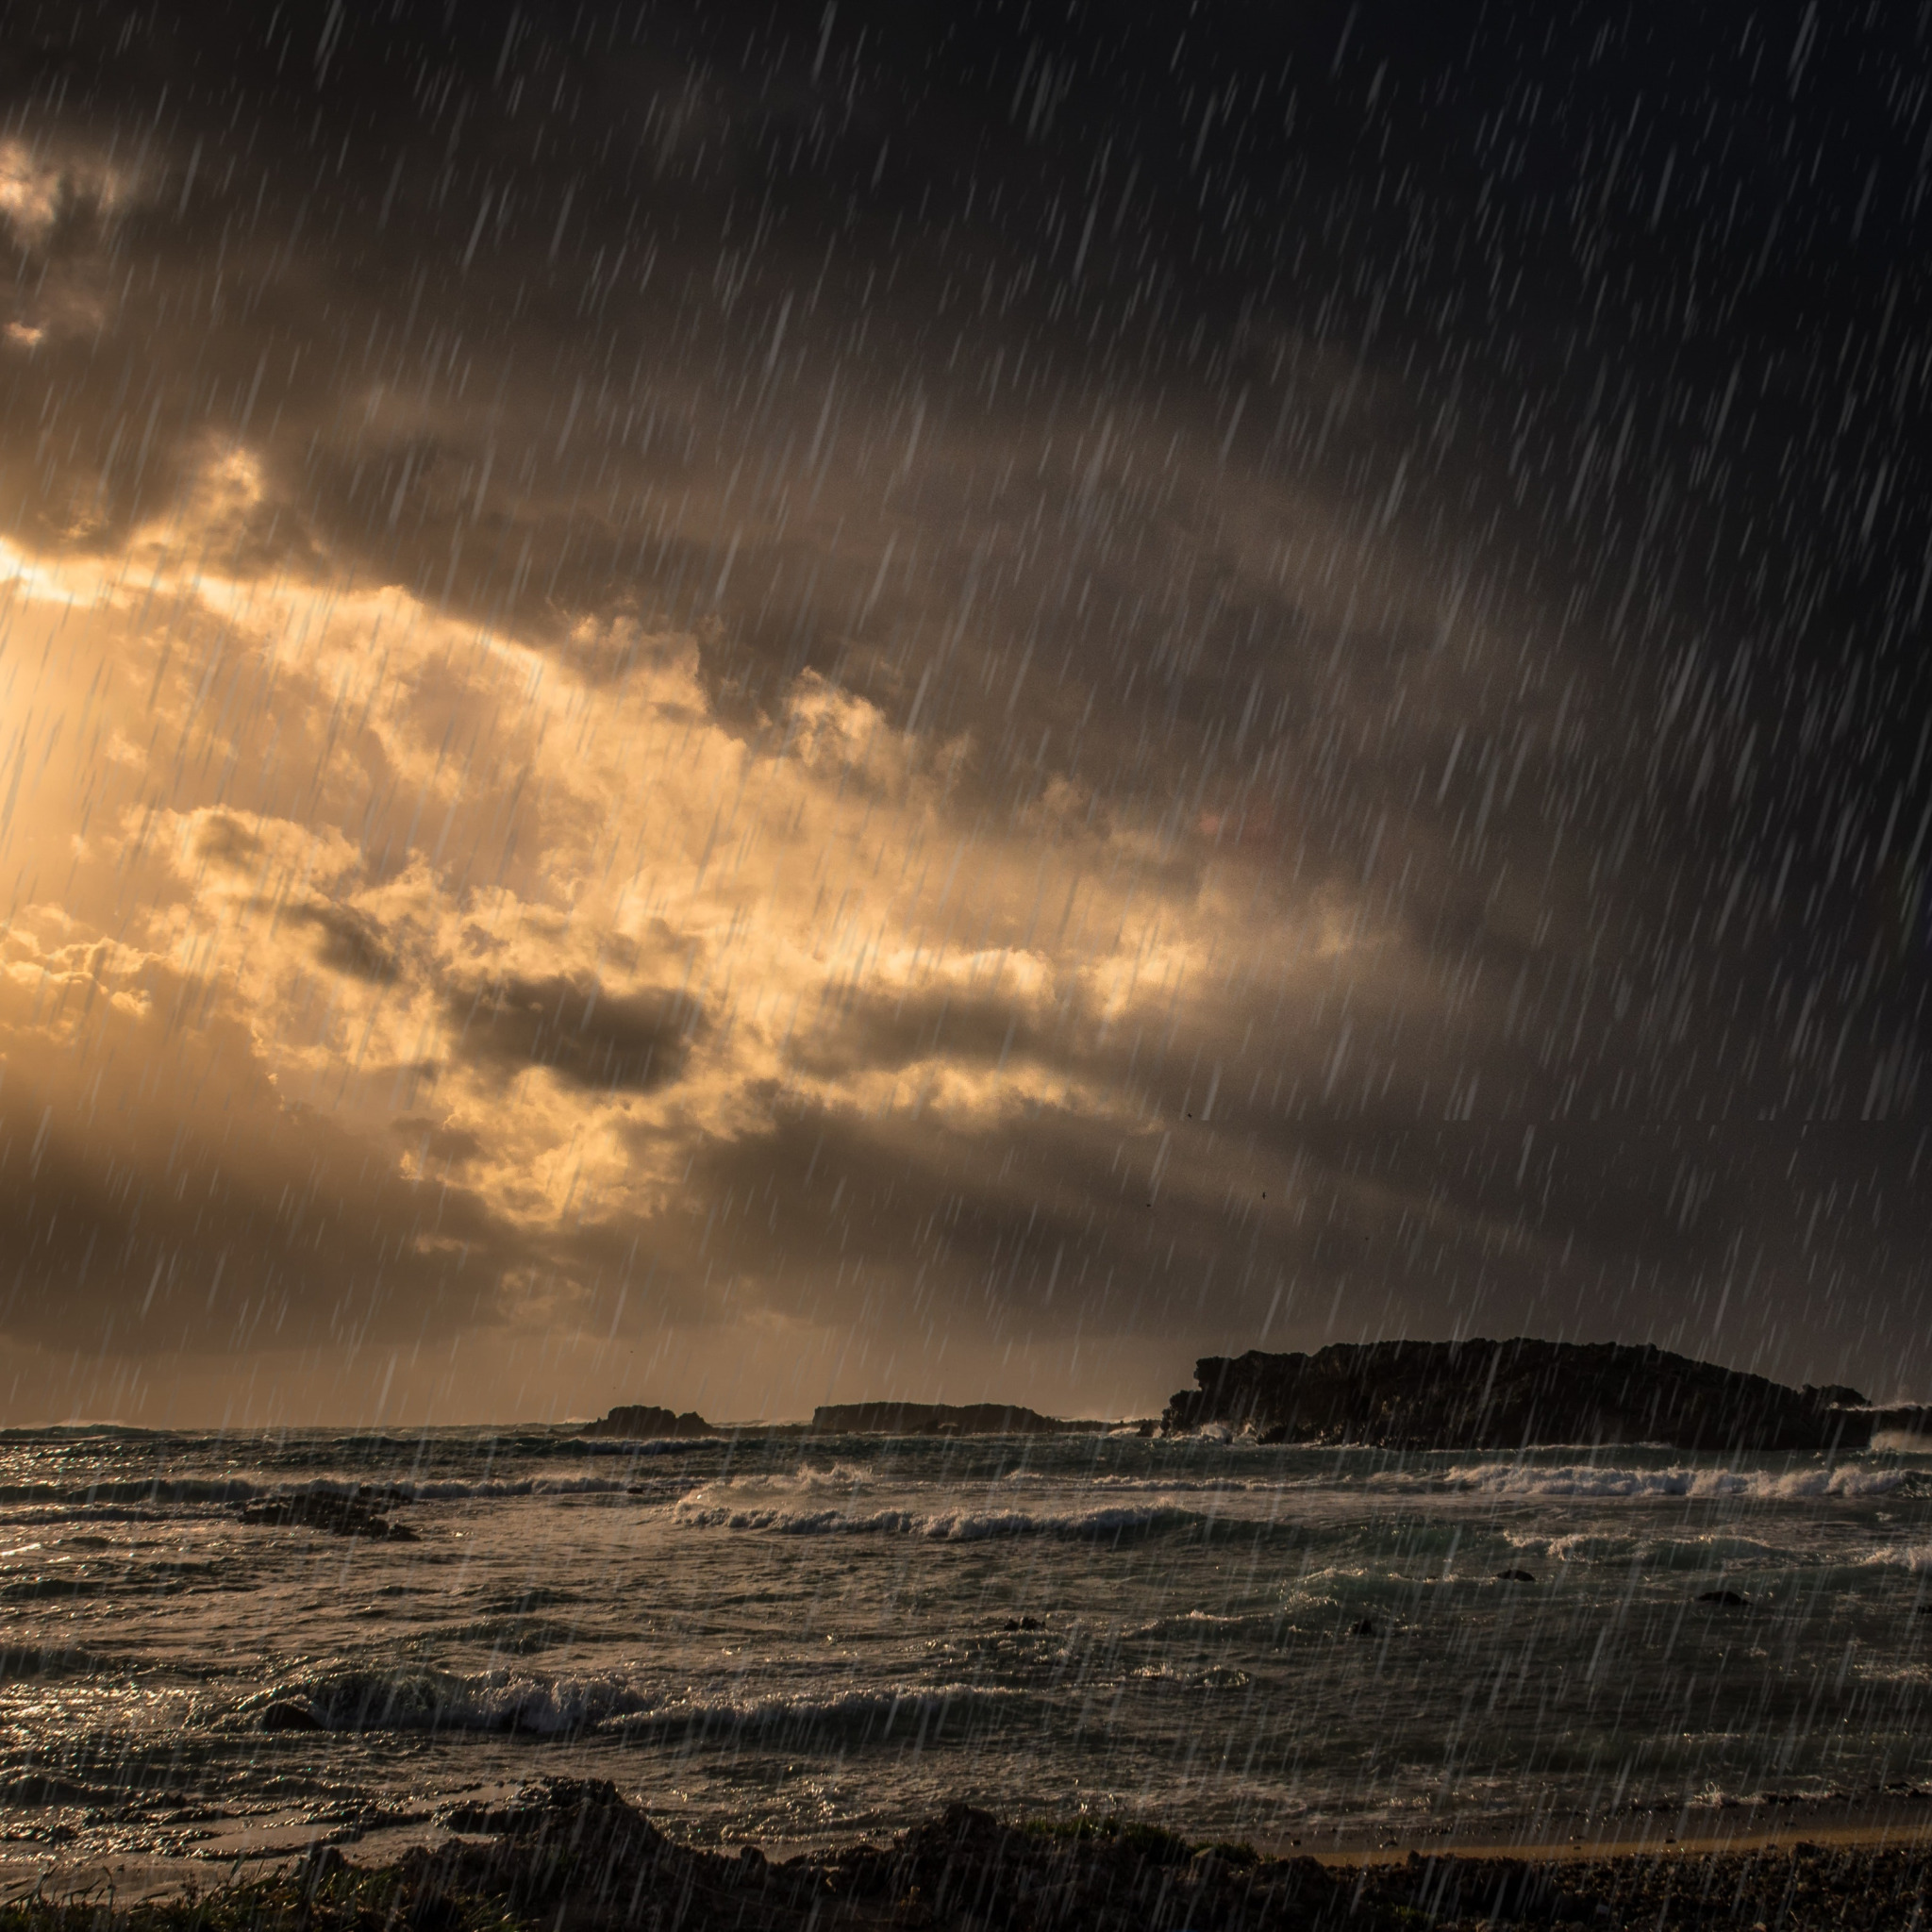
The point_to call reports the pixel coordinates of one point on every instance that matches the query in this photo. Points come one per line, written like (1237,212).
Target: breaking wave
(349,1699)
(856,1716)
(1592,1481)
(948,1526)
(1917,1557)
(154,1491)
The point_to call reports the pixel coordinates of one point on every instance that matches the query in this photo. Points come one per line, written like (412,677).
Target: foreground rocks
(570,1855)
(1481,1394)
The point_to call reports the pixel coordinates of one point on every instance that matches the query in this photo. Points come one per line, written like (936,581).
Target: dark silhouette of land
(1472,1394)
(1483,1394)
(940,1419)
(640,1422)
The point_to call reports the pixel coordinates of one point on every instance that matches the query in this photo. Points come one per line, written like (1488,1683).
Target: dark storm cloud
(1467,478)
(348,941)
(130,1227)
(584,1035)
(866,1031)
(1734,1238)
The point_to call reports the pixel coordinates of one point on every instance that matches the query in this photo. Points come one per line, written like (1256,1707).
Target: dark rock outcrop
(639,1422)
(941,1419)
(1481,1395)
(572,1856)
(1908,1418)
(362,1512)
(285,1714)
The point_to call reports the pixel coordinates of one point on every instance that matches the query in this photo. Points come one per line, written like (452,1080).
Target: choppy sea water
(800,1639)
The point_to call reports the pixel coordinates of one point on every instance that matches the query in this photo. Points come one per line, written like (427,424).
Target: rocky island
(639,1422)
(1484,1394)
(940,1419)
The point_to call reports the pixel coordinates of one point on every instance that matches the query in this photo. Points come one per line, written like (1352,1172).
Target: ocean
(800,1639)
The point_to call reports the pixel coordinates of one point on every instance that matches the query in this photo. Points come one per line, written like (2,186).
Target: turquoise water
(795,1639)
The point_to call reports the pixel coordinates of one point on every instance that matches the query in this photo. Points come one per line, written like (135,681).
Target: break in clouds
(740,709)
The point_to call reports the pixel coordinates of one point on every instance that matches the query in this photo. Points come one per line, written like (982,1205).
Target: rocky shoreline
(574,1856)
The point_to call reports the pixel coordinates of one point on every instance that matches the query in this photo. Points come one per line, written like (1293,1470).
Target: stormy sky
(738,706)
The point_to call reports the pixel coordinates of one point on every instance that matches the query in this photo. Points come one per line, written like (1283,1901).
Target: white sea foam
(707,1511)
(1607,1482)
(1917,1557)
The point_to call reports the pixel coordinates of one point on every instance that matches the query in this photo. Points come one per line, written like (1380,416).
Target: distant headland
(641,1422)
(941,1419)
(1409,1395)
(1484,1394)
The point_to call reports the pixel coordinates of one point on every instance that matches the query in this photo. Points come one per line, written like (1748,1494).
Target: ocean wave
(948,1526)
(1155,1483)
(155,1491)
(855,1715)
(1917,1557)
(513,1635)
(1201,1625)
(1675,1552)
(346,1698)
(148,1489)
(808,1479)
(19,1660)
(350,1698)
(1594,1481)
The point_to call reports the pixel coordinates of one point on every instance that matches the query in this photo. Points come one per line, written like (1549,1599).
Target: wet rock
(323,1864)
(30,1789)
(1022,1624)
(1364,1626)
(285,1714)
(1514,1577)
(641,1421)
(1725,1599)
(362,1513)
(570,1855)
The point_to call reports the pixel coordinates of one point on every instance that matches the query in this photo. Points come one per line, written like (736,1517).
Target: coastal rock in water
(287,1715)
(1482,1394)
(1514,1577)
(941,1419)
(641,1422)
(363,1513)
(1726,1599)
